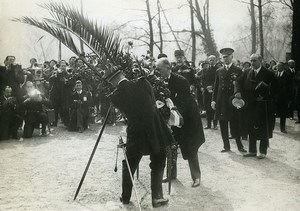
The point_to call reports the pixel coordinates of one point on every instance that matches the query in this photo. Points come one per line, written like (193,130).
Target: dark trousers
(210,118)
(262,147)
(157,166)
(225,134)
(282,123)
(193,164)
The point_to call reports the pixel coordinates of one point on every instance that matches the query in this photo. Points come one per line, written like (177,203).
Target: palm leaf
(62,35)
(99,38)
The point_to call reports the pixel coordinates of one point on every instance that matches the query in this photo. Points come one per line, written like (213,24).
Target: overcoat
(284,94)
(260,110)
(190,136)
(224,88)
(208,79)
(147,131)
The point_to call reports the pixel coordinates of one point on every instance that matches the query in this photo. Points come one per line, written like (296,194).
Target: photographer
(34,113)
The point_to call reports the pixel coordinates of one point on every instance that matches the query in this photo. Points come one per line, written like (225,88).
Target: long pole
(81,43)
(93,152)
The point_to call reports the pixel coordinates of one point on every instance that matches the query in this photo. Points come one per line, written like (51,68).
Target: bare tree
(151,39)
(261,33)
(253,27)
(206,33)
(159,28)
(193,34)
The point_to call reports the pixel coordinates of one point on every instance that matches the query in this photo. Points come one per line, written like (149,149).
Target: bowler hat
(179,53)
(226,51)
(111,72)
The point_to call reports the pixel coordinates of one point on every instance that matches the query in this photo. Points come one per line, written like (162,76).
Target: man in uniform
(224,88)
(190,136)
(182,69)
(258,87)
(147,132)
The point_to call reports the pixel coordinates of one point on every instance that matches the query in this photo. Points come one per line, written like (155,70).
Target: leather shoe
(283,131)
(242,150)
(225,150)
(123,200)
(159,202)
(298,122)
(207,127)
(196,183)
(261,156)
(165,180)
(250,154)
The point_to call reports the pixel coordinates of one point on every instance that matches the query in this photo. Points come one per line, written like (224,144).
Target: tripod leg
(93,152)
(131,177)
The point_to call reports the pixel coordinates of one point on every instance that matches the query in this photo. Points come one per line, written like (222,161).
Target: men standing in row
(190,136)
(224,88)
(147,132)
(208,79)
(258,87)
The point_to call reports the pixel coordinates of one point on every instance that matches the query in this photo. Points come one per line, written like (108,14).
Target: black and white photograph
(171,105)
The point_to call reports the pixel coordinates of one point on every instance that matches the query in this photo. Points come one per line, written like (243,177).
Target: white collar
(227,66)
(79,92)
(257,70)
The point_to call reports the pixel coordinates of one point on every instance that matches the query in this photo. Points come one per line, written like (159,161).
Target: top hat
(179,53)
(226,51)
(111,72)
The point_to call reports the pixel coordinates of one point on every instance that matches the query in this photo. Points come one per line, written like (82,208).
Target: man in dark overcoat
(190,136)
(224,89)
(283,95)
(147,132)
(208,79)
(258,87)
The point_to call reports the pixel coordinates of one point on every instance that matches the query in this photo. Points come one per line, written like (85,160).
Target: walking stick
(137,172)
(122,145)
(93,152)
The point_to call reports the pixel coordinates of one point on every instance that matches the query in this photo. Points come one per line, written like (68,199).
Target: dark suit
(208,79)
(190,136)
(147,132)
(292,104)
(283,97)
(224,88)
(79,111)
(259,113)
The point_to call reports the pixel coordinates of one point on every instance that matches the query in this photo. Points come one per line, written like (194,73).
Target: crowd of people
(243,98)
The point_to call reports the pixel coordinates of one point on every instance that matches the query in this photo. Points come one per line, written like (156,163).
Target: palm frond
(98,37)
(62,35)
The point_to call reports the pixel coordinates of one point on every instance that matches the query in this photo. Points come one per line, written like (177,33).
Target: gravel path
(43,174)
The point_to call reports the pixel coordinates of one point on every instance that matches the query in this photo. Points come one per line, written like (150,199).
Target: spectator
(79,115)
(8,115)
